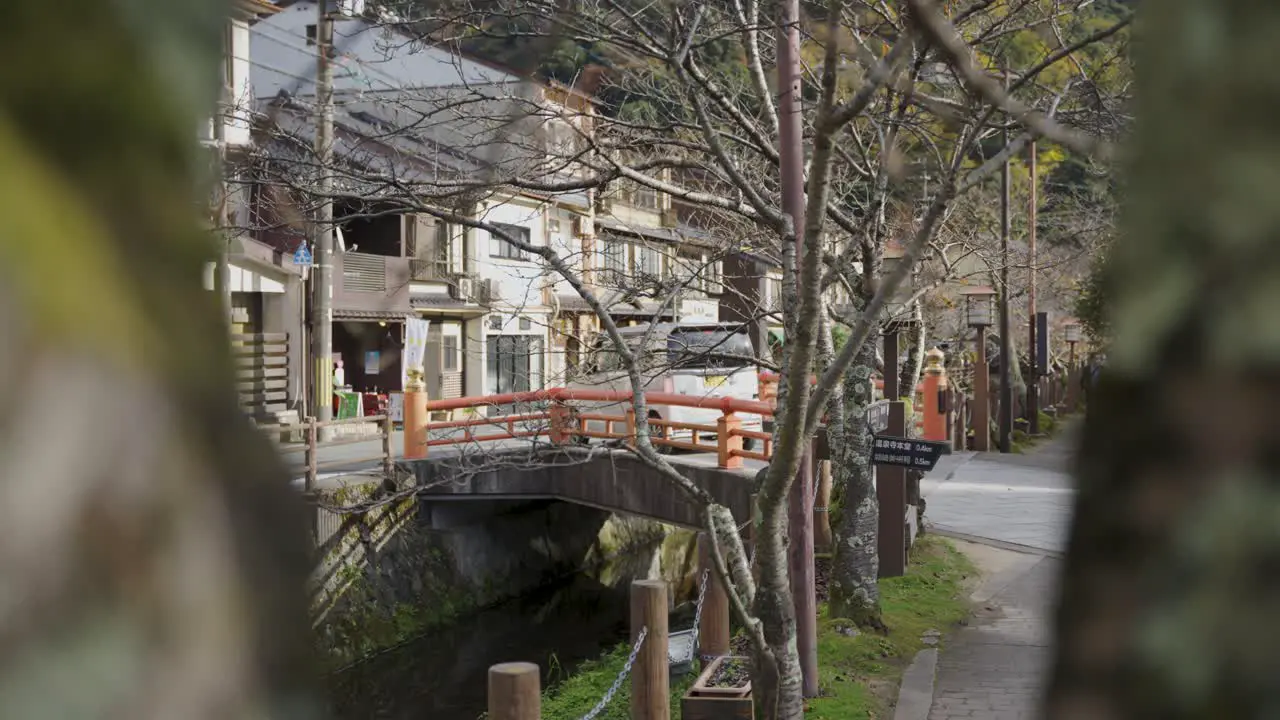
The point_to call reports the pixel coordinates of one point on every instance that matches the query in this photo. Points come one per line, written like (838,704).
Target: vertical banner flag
(415,347)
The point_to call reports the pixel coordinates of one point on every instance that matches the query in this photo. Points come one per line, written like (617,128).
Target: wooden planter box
(717,703)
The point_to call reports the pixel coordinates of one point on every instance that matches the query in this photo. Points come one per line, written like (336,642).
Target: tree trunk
(910,375)
(780,694)
(823,500)
(1170,589)
(155,558)
(854,592)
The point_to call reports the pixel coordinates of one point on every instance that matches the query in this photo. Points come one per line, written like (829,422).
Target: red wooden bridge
(571,416)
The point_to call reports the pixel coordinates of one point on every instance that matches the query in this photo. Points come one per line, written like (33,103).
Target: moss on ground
(860,674)
(572,697)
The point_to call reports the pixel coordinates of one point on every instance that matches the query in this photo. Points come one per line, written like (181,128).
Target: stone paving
(1019,499)
(994,668)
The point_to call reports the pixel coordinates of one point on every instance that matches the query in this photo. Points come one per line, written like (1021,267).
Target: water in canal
(442,675)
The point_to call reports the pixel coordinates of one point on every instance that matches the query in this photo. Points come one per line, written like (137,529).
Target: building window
(514,363)
(526,323)
(643,196)
(713,278)
(448,257)
(615,257)
(687,268)
(649,261)
(449,346)
(504,249)
(495,322)
(553,226)
(563,143)
(775,293)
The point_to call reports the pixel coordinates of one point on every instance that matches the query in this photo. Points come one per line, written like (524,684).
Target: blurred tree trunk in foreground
(1172,583)
(153,562)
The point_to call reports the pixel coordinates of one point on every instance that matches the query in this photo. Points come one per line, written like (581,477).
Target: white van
(696,359)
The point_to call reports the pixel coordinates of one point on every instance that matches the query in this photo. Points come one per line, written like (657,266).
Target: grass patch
(860,675)
(577,694)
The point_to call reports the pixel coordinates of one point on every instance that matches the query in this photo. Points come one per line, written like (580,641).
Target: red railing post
(416,420)
(559,430)
(631,426)
(727,442)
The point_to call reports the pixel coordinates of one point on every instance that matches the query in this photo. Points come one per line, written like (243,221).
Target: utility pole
(222,272)
(1006,353)
(1033,384)
(322,274)
(800,510)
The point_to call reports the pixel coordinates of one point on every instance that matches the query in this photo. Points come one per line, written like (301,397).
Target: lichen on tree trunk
(779,696)
(854,591)
(1170,589)
(914,363)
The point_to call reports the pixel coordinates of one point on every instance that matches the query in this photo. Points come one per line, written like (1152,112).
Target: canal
(441,675)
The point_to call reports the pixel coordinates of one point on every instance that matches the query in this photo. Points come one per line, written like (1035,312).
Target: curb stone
(915,695)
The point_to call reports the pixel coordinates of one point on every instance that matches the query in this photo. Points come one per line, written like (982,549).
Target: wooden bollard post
(515,692)
(713,630)
(650,677)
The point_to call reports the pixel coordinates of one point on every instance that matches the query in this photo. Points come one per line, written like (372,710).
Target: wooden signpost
(911,453)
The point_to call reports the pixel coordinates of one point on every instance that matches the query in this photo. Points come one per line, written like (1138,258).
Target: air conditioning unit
(462,288)
(486,293)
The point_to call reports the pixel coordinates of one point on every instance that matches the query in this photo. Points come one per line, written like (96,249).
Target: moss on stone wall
(400,578)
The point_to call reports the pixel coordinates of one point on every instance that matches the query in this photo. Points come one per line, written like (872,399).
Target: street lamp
(892,259)
(1072,332)
(980,314)
(980,308)
(897,318)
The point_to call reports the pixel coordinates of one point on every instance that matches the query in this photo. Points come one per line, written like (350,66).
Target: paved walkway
(1019,499)
(1015,510)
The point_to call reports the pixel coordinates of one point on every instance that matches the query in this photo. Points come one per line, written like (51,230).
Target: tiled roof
(387,315)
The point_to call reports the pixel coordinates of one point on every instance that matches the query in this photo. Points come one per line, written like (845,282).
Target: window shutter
(420,236)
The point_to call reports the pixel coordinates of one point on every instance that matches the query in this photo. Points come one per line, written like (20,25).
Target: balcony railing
(432,270)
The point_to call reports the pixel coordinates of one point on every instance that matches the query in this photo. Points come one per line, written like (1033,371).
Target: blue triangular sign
(302,256)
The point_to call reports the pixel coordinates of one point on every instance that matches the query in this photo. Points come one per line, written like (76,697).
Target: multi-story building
(449,129)
(265,288)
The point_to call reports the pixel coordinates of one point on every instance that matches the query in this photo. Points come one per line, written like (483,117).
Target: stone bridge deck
(613,480)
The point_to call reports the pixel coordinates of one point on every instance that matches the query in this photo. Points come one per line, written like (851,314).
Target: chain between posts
(622,676)
(697,616)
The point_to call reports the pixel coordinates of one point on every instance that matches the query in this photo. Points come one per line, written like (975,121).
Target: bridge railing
(313,444)
(572,415)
